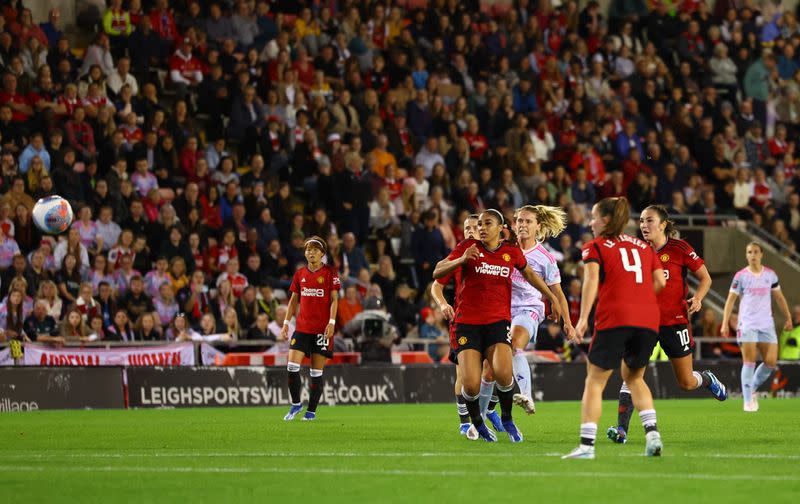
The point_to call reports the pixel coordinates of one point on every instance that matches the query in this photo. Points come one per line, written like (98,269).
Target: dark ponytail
(618,212)
(512,236)
(663,216)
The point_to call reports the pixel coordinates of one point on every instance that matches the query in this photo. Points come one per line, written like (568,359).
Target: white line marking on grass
(54,454)
(396,472)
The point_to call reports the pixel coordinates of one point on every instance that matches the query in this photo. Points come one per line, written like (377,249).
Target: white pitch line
(507,454)
(396,472)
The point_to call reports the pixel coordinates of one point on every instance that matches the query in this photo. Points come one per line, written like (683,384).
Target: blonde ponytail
(552,220)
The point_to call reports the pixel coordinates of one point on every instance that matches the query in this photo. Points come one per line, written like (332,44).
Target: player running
(533,225)
(315,288)
(623,274)
(437,288)
(674,333)
(756,331)
(483,316)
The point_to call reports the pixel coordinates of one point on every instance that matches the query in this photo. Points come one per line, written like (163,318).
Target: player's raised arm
(448,264)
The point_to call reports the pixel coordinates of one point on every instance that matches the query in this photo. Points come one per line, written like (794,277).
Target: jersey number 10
(633,267)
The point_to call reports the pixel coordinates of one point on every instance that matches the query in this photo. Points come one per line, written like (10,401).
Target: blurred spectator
(789,347)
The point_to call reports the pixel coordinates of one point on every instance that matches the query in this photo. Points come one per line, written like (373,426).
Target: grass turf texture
(713,452)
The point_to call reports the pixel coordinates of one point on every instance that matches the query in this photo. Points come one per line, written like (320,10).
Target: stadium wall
(30,389)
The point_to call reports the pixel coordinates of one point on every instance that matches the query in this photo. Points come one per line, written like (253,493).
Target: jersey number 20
(635,266)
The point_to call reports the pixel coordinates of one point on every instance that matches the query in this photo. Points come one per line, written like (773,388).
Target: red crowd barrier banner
(177,354)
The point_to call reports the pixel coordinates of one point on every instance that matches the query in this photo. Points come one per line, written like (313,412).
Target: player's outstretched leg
(522,373)
(653,444)
(314,394)
(619,434)
(712,383)
(643,401)
(487,390)
(506,396)
(477,420)
(293,369)
(769,352)
(463,415)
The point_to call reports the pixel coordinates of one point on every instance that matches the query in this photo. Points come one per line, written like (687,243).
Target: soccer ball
(52,215)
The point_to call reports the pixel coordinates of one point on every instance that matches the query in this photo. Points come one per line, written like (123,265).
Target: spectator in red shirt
(20,107)
(478,145)
(185,71)
(632,166)
(778,145)
(762,194)
(69,100)
(305,69)
(586,157)
(80,134)
(164,23)
(238,281)
(190,155)
(24,29)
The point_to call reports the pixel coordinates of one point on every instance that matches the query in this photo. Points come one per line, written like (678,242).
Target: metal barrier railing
(773,242)
(704,220)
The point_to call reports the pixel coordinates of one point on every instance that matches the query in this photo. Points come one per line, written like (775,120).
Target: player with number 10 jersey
(677,258)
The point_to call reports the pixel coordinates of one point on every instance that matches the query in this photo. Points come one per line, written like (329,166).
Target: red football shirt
(314,289)
(486,282)
(19,99)
(626,297)
(676,257)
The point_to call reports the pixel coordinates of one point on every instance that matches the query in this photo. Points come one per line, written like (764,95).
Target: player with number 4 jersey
(315,288)
(623,274)
(677,258)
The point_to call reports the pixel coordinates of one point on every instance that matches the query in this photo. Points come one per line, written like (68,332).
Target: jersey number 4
(634,266)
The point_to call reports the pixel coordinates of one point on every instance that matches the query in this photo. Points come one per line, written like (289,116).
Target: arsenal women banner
(177,354)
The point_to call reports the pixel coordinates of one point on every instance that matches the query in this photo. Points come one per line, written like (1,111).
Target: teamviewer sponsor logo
(493,270)
(7,405)
(312,292)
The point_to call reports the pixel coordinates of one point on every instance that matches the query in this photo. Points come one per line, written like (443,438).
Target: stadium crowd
(200,143)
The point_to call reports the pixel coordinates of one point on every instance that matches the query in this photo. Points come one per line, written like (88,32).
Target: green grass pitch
(713,452)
